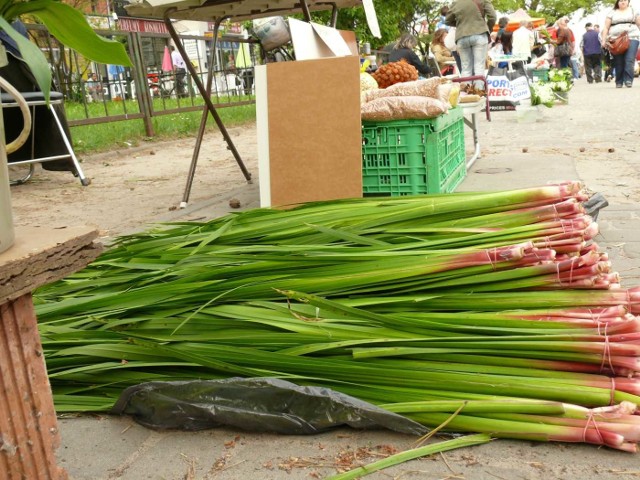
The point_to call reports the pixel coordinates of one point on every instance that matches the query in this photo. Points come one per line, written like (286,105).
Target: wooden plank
(44,255)
(27,416)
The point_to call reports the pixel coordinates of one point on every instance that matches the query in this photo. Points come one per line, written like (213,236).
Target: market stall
(237,11)
(515,19)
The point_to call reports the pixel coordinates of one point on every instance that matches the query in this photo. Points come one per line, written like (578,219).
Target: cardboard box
(309,131)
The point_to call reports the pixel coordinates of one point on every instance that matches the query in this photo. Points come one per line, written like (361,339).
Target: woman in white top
(623,19)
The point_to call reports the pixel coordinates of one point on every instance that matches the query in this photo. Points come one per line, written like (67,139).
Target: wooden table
(28,426)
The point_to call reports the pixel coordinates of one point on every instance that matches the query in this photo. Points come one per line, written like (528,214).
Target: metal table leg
(473,109)
(205,92)
(476,141)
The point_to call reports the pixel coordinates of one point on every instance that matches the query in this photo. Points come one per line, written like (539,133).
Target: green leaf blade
(70,27)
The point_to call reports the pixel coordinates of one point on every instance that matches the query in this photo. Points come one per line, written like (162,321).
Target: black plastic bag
(539,50)
(254,404)
(595,203)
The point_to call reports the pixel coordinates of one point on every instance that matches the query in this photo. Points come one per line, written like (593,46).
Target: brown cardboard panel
(350,37)
(307,44)
(314,130)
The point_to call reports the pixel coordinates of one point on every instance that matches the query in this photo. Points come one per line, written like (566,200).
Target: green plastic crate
(541,74)
(412,157)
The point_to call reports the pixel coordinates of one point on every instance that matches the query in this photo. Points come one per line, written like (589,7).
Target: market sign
(141,25)
(227,28)
(506,90)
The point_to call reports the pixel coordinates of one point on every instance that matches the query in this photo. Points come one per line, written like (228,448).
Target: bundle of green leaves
(560,79)
(495,307)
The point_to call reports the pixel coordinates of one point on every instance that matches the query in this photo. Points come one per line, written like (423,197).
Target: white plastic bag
(506,89)
(273,32)
(450,39)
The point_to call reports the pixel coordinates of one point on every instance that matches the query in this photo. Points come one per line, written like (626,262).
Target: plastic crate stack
(412,157)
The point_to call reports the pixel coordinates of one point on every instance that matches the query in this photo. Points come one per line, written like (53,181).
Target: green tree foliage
(399,16)
(394,16)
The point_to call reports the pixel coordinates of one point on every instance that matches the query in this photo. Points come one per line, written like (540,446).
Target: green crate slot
(448,148)
(412,157)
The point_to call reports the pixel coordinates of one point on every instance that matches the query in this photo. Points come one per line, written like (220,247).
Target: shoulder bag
(619,45)
(563,50)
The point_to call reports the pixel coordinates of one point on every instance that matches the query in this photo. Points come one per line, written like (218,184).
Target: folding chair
(33,100)
(438,68)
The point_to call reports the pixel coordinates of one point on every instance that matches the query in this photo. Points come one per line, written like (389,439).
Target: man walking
(180,71)
(592,53)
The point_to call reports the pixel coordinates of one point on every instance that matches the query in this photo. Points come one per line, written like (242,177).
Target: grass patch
(89,139)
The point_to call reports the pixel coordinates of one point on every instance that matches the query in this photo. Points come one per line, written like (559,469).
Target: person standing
(596,27)
(502,27)
(564,43)
(522,41)
(180,71)
(592,53)
(442,22)
(473,19)
(507,43)
(623,19)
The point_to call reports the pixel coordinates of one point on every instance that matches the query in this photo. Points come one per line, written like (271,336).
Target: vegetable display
(493,311)
(395,72)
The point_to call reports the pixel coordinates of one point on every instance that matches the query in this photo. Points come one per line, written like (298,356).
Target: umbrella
(115,70)
(167,64)
(516,17)
(243,57)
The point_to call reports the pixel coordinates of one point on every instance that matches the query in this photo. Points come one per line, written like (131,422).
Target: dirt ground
(131,189)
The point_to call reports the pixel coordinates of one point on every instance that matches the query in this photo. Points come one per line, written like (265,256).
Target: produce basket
(410,157)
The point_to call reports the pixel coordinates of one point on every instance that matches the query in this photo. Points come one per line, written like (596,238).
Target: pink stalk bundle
(497,297)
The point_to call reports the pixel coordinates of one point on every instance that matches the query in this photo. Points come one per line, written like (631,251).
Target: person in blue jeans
(473,19)
(564,38)
(620,20)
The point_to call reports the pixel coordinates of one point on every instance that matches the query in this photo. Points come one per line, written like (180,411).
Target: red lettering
(499,92)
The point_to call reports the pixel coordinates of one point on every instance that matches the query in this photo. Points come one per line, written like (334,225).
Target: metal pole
(203,92)
(305,10)
(334,15)
(205,114)
(142,86)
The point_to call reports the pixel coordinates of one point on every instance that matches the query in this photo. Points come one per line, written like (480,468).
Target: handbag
(538,50)
(619,45)
(563,50)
